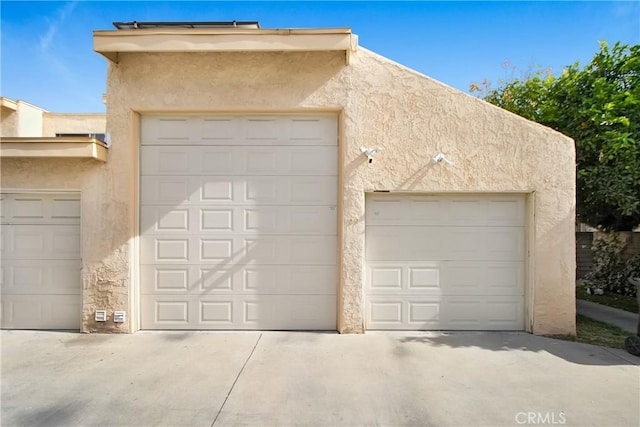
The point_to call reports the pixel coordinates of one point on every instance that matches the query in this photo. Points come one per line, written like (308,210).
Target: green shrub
(632,269)
(609,271)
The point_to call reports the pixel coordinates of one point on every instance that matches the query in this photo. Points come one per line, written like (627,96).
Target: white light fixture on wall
(369,152)
(440,158)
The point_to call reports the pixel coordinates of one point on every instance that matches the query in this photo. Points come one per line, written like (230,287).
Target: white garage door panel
(240,312)
(206,279)
(45,277)
(41,266)
(240,160)
(239,222)
(445,262)
(41,242)
(448,312)
(240,130)
(225,250)
(39,209)
(400,210)
(444,243)
(264,219)
(180,190)
(446,278)
(41,312)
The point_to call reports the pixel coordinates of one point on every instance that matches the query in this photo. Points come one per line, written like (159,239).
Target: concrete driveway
(314,379)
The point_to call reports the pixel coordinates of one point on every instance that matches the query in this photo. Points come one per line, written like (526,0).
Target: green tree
(599,107)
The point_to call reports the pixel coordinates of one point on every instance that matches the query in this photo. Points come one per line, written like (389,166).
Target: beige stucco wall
(29,119)
(56,123)
(85,176)
(9,123)
(379,103)
(25,120)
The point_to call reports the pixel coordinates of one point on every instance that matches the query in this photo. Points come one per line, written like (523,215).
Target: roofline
(8,103)
(53,147)
(53,113)
(111,43)
(51,139)
(214,31)
(13,105)
(186,24)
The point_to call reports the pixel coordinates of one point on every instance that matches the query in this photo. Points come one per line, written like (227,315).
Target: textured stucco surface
(24,121)
(9,122)
(54,123)
(104,270)
(30,121)
(380,104)
(104,283)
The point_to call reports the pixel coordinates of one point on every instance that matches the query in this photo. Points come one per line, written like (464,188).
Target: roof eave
(53,147)
(9,104)
(111,43)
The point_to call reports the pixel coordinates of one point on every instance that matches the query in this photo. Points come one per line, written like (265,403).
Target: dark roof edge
(132,25)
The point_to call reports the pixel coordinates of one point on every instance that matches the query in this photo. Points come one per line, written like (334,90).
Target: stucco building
(292,179)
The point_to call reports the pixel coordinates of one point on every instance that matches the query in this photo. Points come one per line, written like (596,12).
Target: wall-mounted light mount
(440,158)
(369,152)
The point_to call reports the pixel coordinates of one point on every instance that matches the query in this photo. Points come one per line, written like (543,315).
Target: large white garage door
(445,262)
(238,222)
(41,266)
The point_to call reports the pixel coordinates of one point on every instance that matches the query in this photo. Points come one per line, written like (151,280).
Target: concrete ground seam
(629,360)
(235,381)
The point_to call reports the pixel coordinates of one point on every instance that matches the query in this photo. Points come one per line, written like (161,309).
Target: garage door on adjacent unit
(238,222)
(41,266)
(445,262)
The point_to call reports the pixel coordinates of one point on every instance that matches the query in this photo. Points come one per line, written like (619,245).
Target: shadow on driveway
(583,354)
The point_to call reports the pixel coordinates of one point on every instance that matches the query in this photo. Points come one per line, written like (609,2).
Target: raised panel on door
(444,243)
(250,130)
(238,249)
(238,160)
(246,279)
(228,190)
(444,313)
(40,312)
(44,277)
(434,278)
(461,210)
(262,219)
(40,209)
(240,312)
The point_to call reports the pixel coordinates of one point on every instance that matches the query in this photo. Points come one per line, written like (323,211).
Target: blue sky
(48,60)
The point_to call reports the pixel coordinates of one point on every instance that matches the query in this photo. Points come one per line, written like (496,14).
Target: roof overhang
(53,147)
(7,103)
(114,42)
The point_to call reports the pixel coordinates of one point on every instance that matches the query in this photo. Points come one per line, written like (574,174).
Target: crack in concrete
(624,357)
(236,380)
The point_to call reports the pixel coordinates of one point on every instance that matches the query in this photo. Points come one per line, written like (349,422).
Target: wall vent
(119,316)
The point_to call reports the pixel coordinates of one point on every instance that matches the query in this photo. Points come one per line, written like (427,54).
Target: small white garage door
(41,266)
(445,262)
(238,222)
